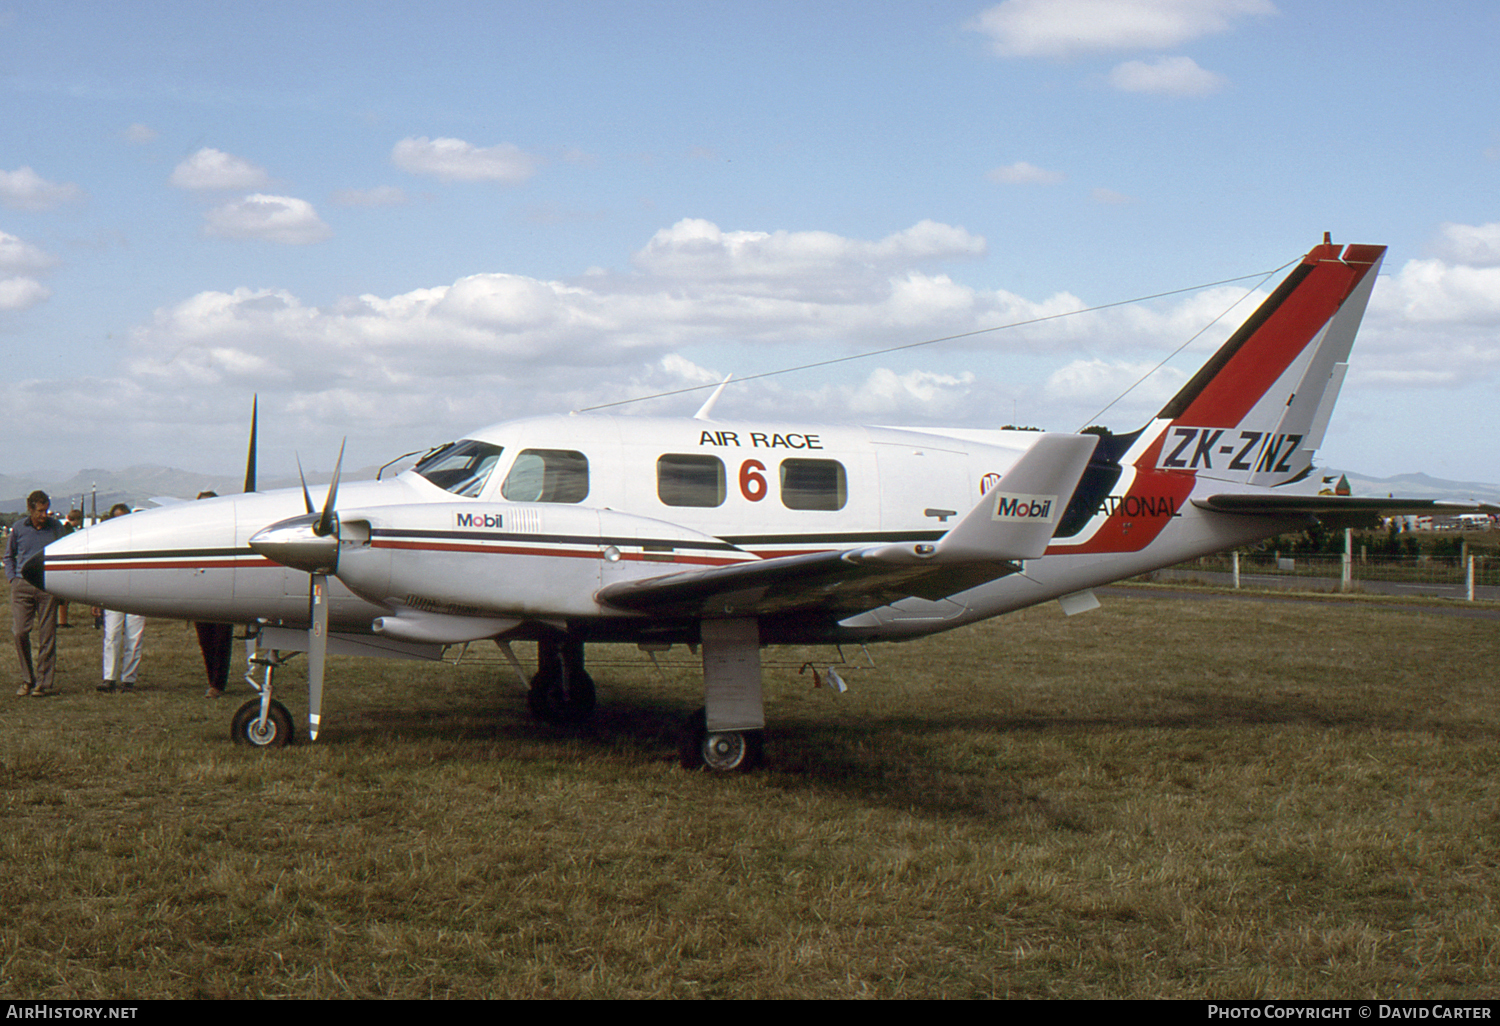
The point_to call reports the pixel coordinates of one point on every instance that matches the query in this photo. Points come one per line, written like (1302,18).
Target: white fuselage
(588,500)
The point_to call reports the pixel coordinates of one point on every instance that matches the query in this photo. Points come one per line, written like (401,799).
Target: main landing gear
(561,691)
(726,735)
(724,751)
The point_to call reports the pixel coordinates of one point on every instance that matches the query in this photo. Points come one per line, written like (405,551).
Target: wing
(1014,521)
(1339,510)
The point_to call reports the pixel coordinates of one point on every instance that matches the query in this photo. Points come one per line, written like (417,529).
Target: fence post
(1349,560)
(1469,577)
(1236,569)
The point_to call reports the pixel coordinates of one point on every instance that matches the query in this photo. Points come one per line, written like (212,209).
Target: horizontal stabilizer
(1337,507)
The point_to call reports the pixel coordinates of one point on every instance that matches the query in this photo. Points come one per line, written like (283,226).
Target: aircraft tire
(727,751)
(549,704)
(279,731)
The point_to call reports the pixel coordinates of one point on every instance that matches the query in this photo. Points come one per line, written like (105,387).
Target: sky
(398,222)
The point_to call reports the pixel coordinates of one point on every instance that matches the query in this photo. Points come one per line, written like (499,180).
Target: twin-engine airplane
(733,536)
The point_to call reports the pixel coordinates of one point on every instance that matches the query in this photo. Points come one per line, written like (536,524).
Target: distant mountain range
(1416,486)
(138,485)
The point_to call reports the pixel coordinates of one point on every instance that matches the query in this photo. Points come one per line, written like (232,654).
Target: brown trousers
(28,607)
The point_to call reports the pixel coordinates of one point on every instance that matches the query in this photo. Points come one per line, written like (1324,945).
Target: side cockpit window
(460,467)
(690,480)
(547,475)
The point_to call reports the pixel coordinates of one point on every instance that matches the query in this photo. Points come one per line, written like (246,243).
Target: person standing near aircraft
(29,605)
(122,638)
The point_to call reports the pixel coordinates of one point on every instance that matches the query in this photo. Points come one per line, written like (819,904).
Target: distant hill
(1417,486)
(137,485)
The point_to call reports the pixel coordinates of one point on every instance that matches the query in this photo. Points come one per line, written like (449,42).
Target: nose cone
(296,543)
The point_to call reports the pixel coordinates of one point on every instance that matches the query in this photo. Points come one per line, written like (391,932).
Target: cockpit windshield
(460,467)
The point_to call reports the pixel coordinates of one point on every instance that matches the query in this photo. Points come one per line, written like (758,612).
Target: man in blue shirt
(29,605)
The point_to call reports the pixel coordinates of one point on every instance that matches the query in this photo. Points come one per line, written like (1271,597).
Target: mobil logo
(1030,508)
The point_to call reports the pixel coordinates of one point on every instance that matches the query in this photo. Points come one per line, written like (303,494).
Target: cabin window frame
(564,477)
(802,489)
(688,490)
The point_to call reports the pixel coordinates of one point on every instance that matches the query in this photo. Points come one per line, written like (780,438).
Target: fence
(1373,572)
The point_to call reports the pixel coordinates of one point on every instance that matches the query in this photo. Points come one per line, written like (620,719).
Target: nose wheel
(247,727)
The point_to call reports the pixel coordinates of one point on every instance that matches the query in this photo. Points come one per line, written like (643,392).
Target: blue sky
(402,221)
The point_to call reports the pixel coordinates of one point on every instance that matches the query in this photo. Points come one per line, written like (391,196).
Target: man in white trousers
(122,638)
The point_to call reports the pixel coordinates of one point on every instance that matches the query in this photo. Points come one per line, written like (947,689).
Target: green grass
(1212,798)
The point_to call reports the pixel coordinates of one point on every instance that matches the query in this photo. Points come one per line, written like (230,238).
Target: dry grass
(1159,799)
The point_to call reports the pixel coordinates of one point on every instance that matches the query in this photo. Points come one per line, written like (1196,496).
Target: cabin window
(547,475)
(460,467)
(690,480)
(813,484)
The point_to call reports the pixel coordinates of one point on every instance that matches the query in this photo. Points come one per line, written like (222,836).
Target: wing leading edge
(1013,521)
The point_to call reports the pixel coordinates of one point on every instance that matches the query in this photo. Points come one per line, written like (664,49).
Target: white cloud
(24,189)
(1022,173)
(1433,323)
(394,370)
(1166,76)
(380,196)
(453,160)
(22,293)
(803,264)
(139,134)
(17,255)
(1477,244)
(214,169)
(1066,28)
(1110,197)
(283,219)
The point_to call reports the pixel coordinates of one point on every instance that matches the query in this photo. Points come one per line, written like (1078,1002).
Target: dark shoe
(107,686)
(127,686)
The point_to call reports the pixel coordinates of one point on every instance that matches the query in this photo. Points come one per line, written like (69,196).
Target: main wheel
(245,728)
(724,751)
(555,700)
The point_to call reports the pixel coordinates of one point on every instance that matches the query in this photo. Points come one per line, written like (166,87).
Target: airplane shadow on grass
(967,764)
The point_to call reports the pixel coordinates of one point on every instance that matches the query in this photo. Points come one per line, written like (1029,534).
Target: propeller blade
(317,652)
(250,457)
(324,527)
(306,498)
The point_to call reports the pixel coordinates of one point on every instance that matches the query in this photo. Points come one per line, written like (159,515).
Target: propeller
(250,456)
(326,526)
(310,543)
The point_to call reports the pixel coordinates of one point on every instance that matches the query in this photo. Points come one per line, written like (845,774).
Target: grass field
(1187,799)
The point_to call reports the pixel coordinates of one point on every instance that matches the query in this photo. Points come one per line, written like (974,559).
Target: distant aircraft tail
(1252,416)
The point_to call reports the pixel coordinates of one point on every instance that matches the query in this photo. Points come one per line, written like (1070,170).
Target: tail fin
(1257,410)
(1253,415)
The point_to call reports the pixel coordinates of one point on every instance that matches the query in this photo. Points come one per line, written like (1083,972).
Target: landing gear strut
(262,722)
(561,691)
